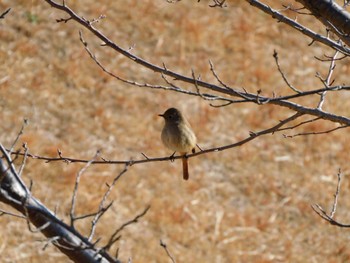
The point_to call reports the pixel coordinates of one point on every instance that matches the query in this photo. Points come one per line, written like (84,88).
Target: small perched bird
(177,135)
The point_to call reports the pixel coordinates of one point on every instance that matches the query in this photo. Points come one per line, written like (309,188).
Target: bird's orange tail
(185,168)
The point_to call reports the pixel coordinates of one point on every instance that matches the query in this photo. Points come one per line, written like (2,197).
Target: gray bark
(14,193)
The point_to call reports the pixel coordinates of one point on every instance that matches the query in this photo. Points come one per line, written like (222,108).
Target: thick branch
(331,15)
(314,36)
(14,193)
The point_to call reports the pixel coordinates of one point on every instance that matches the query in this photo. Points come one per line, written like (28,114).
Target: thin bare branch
(336,195)
(330,217)
(130,82)
(102,209)
(3,212)
(275,55)
(115,237)
(327,82)
(75,190)
(296,10)
(25,156)
(25,122)
(299,124)
(330,58)
(212,69)
(235,92)
(323,214)
(203,96)
(164,245)
(171,87)
(316,133)
(2,16)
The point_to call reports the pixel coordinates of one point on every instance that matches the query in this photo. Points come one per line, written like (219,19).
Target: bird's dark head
(172,115)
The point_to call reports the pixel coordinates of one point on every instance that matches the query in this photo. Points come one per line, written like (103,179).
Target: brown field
(246,204)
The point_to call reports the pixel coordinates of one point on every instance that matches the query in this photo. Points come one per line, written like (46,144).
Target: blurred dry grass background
(248,204)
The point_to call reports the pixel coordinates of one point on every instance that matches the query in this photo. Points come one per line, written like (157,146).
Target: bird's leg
(198,148)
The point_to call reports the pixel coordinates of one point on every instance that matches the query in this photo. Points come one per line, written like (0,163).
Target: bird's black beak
(161,115)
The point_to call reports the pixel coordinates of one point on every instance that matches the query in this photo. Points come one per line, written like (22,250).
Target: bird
(178,136)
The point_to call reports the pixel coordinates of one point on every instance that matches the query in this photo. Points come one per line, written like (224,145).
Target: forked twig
(13,191)
(171,87)
(327,82)
(102,209)
(330,217)
(115,237)
(75,190)
(25,122)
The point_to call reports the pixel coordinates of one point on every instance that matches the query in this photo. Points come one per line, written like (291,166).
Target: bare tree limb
(332,15)
(252,136)
(115,237)
(102,209)
(171,86)
(14,193)
(304,30)
(249,97)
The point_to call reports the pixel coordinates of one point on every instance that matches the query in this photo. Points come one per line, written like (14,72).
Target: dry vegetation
(247,204)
